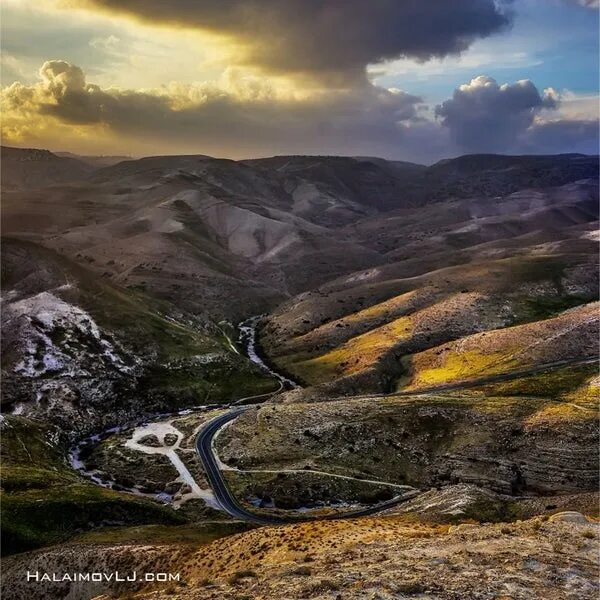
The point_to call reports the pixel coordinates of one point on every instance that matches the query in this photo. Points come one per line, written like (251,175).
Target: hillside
(494,175)
(198,230)
(83,353)
(193,229)
(438,329)
(511,440)
(388,557)
(451,271)
(27,168)
(95,161)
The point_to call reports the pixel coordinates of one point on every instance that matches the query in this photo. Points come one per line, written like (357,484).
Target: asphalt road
(205,437)
(230,503)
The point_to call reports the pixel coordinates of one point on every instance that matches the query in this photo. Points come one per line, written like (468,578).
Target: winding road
(206,452)
(228,501)
(205,437)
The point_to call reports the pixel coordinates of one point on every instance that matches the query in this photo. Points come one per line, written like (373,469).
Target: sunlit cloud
(327,39)
(227,116)
(248,78)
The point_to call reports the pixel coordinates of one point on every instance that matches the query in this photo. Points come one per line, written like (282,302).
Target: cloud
(327,37)
(485,116)
(237,115)
(240,115)
(585,3)
(562,135)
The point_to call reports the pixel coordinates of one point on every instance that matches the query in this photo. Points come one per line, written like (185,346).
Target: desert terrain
(301,376)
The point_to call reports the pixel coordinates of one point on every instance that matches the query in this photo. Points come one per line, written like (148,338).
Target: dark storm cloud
(485,116)
(330,36)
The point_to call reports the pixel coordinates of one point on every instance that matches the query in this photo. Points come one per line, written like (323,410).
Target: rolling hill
(441,321)
(27,168)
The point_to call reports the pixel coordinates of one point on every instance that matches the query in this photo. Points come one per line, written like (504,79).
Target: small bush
(536,525)
(589,534)
(324,585)
(302,570)
(410,587)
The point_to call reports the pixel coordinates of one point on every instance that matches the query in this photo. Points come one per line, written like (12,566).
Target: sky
(401,79)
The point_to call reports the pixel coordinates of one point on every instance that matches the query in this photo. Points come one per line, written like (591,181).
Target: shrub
(302,570)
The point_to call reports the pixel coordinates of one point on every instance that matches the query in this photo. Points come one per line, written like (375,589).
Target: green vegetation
(465,365)
(185,363)
(217,382)
(548,307)
(556,383)
(424,441)
(137,317)
(539,268)
(355,355)
(481,510)
(192,533)
(44,501)
(305,489)
(140,320)
(44,516)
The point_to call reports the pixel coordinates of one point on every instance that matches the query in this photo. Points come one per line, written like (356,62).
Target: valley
(252,371)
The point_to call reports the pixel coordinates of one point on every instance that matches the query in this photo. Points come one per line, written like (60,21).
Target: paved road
(205,437)
(230,503)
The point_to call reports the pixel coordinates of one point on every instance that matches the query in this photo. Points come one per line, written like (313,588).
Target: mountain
(200,229)
(362,265)
(27,168)
(441,325)
(83,353)
(452,270)
(95,161)
(192,228)
(373,183)
(496,175)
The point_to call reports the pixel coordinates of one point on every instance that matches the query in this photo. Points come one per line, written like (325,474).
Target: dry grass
(357,354)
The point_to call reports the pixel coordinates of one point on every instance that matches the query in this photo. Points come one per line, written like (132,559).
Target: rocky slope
(121,289)
(86,354)
(512,445)
(80,355)
(452,271)
(197,230)
(392,557)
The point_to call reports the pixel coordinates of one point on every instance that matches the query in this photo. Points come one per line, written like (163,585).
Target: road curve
(222,493)
(228,501)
